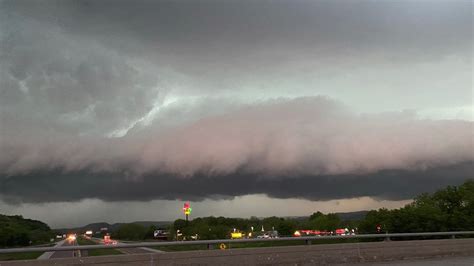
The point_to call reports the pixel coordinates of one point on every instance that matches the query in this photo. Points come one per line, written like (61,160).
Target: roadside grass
(96,252)
(103,252)
(25,255)
(256,244)
(20,256)
(83,241)
(181,248)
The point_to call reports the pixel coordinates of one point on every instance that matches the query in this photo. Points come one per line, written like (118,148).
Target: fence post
(210,246)
(453,236)
(308,242)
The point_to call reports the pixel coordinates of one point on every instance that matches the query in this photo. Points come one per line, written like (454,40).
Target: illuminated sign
(187,208)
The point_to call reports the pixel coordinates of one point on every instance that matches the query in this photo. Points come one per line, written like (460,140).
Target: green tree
(328,222)
(18,231)
(448,209)
(130,232)
(286,228)
(376,217)
(151,231)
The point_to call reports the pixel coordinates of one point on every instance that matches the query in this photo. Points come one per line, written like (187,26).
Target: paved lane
(66,254)
(446,261)
(48,254)
(406,253)
(461,261)
(133,250)
(143,250)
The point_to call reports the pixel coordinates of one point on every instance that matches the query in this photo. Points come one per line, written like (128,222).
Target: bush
(130,232)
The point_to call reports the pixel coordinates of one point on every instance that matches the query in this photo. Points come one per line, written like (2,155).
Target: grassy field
(20,256)
(25,255)
(97,252)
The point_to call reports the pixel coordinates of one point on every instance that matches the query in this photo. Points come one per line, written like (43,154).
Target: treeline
(448,209)
(221,227)
(17,231)
(134,232)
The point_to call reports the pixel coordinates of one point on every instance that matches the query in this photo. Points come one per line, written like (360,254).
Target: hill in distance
(344,216)
(95,227)
(352,216)
(16,231)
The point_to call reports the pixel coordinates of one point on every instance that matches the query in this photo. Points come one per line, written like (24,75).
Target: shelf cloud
(323,100)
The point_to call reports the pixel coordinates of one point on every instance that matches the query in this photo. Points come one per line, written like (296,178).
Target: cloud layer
(308,147)
(191,100)
(304,136)
(53,186)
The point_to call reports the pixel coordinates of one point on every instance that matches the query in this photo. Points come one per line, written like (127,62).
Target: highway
(66,254)
(407,253)
(465,261)
(142,250)
(48,254)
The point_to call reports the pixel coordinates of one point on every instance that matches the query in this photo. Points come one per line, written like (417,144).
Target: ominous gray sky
(246,105)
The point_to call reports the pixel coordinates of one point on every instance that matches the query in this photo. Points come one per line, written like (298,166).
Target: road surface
(48,254)
(130,250)
(457,252)
(67,254)
(464,261)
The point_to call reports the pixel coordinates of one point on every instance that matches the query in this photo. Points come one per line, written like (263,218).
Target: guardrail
(210,243)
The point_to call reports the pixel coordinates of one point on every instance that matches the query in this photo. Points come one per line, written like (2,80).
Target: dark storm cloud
(203,36)
(141,100)
(55,186)
(90,67)
(311,148)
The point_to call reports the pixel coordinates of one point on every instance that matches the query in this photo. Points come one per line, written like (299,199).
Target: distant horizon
(179,215)
(171,221)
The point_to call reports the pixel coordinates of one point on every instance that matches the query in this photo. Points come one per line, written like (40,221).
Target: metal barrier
(308,240)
